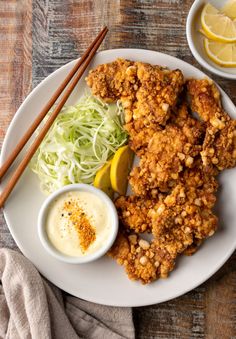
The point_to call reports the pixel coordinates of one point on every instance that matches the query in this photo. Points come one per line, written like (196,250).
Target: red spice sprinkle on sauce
(86,232)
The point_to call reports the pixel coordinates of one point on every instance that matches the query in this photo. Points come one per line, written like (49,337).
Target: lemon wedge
(102,180)
(120,167)
(221,53)
(218,26)
(230,9)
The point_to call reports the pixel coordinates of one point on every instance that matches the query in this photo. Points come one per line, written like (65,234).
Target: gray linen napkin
(31,307)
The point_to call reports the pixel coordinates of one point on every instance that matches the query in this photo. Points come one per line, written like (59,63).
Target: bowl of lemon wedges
(211,35)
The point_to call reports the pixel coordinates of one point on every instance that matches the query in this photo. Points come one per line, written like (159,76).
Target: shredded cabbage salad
(79,143)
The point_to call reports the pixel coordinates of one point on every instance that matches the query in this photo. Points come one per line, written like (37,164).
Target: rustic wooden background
(37,37)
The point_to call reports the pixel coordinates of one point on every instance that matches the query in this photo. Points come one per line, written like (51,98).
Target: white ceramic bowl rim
(196,5)
(43,214)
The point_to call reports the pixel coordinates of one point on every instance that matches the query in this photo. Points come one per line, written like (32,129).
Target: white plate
(104,281)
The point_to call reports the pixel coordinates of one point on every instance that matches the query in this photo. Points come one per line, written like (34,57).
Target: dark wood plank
(15,58)
(15,72)
(179,318)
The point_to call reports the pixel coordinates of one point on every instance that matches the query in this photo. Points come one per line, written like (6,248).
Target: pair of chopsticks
(71,80)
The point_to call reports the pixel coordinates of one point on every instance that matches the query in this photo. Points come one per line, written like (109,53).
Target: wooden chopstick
(46,108)
(30,152)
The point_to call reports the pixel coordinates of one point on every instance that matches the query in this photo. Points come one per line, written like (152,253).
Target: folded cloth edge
(31,307)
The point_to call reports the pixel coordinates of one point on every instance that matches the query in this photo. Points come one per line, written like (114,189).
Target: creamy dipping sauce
(78,223)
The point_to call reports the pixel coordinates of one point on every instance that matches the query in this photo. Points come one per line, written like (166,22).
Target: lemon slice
(102,180)
(222,54)
(230,9)
(218,26)
(120,167)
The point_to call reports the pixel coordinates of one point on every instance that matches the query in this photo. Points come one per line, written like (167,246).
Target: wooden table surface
(39,36)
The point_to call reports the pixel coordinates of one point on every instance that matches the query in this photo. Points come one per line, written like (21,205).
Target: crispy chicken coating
(142,260)
(180,156)
(169,151)
(189,212)
(148,261)
(133,212)
(188,207)
(139,135)
(160,166)
(180,221)
(192,198)
(205,98)
(112,81)
(190,250)
(147,92)
(192,128)
(219,146)
(157,93)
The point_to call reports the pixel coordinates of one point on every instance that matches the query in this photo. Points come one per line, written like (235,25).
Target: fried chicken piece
(142,260)
(190,212)
(199,178)
(175,241)
(192,128)
(168,152)
(157,94)
(179,221)
(133,212)
(149,261)
(205,99)
(219,146)
(114,80)
(160,166)
(147,92)
(188,207)
(139,135)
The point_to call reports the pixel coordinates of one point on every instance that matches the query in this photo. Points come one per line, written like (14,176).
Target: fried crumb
(219,146)
(133,212)
(168,153)
(139,263)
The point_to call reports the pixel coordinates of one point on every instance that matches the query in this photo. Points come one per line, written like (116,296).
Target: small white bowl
(86,258)
(195,39)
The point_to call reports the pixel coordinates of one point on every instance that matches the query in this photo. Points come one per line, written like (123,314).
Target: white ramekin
(87,258)
(195,41)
